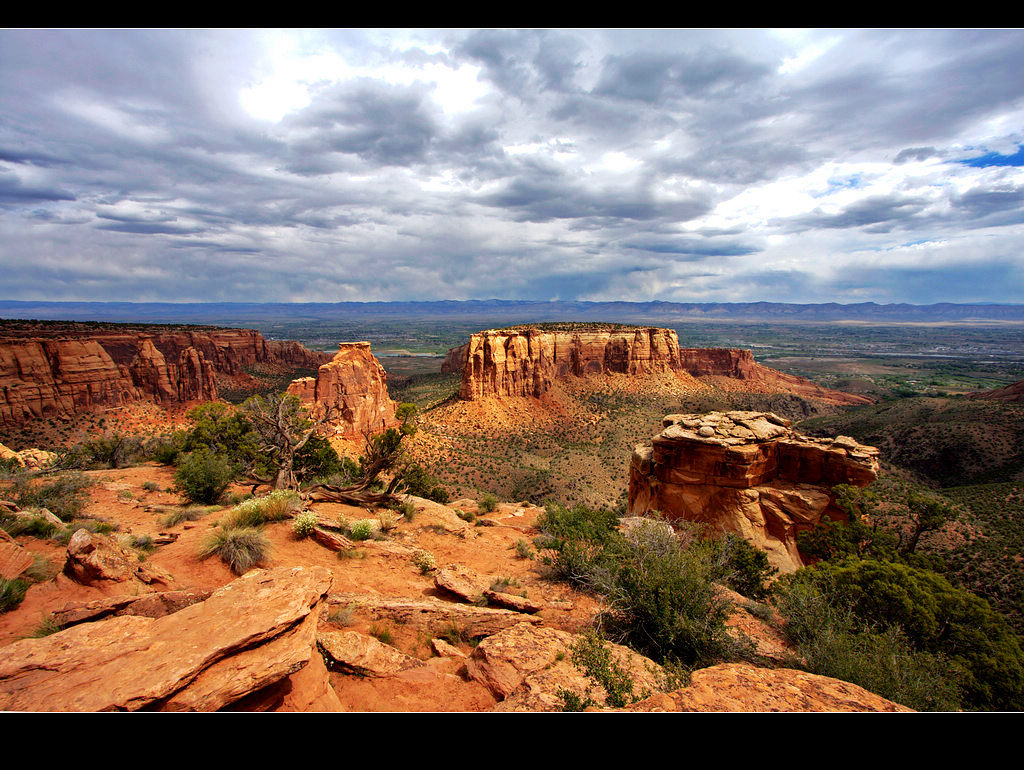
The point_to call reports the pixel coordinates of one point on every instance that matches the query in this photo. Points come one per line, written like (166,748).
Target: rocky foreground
(447,611)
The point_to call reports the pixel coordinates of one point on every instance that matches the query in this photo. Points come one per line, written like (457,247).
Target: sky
(320,165)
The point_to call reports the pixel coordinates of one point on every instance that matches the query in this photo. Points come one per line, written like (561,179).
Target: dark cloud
(393,186)
(880,213)
(652,78)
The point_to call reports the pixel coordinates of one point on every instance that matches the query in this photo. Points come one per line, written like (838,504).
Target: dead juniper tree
(383,455)
(282,426)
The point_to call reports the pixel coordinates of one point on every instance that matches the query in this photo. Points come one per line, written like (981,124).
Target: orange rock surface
(354,384)
(747,473)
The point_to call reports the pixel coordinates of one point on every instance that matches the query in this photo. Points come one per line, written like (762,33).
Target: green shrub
(304,524)
(592,656)
(35,526)
(523,550)
(203,475)
(487,503)
(363,529)
(984,656)
(12,592)
(661,600)
(832,641)
(742,566)
(240,549)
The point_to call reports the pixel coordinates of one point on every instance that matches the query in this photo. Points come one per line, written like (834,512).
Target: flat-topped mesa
(747,473)
(354,385)
(526,362)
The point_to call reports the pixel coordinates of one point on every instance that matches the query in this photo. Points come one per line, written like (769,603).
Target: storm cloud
(683,165)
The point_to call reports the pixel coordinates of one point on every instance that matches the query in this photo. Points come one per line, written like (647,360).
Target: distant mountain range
(500,311)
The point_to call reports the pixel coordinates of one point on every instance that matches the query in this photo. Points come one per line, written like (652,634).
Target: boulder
(748,473)
(364,655)
(92,557)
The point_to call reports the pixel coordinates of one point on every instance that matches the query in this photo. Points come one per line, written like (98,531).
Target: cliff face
(747,473)
(44,377)
(355,385)
(514,363)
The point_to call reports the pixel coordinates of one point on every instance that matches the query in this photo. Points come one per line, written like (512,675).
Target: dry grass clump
(258,511)
(240,548)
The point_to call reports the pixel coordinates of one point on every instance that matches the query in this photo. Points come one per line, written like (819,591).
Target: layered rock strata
(526,362)
(749,473)
(64,376)
(354,385)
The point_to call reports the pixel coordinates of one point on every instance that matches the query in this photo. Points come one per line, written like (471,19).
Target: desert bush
(34,526)
(417,481)
(241,549)
(592,656)
(304,524)
(258,511)
(65,496)
(203,475)
(831,641)
(487,503)
(661,600)
(523,550)
(165,448)
(424,562)
(740,565)
(362,529)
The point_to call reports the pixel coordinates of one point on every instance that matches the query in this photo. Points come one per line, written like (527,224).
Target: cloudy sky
(686,165)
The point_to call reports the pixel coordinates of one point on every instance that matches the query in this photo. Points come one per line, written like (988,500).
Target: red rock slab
(13,560)
(129,663)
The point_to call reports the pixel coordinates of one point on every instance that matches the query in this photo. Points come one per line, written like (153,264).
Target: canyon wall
(525,362)
(747,473)
(354,385)
(65,375)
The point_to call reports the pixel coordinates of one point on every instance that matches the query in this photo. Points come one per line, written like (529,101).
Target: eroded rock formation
(354,384)
(525,362)
(78,371)
(748,473)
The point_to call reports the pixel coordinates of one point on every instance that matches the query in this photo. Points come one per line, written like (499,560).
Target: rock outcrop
(354,385)
(737,687)
(747,473)
(525,362)
(740,365)
(78,371)
(247,646)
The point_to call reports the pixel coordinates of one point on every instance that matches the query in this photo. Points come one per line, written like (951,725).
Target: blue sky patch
(995,159)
